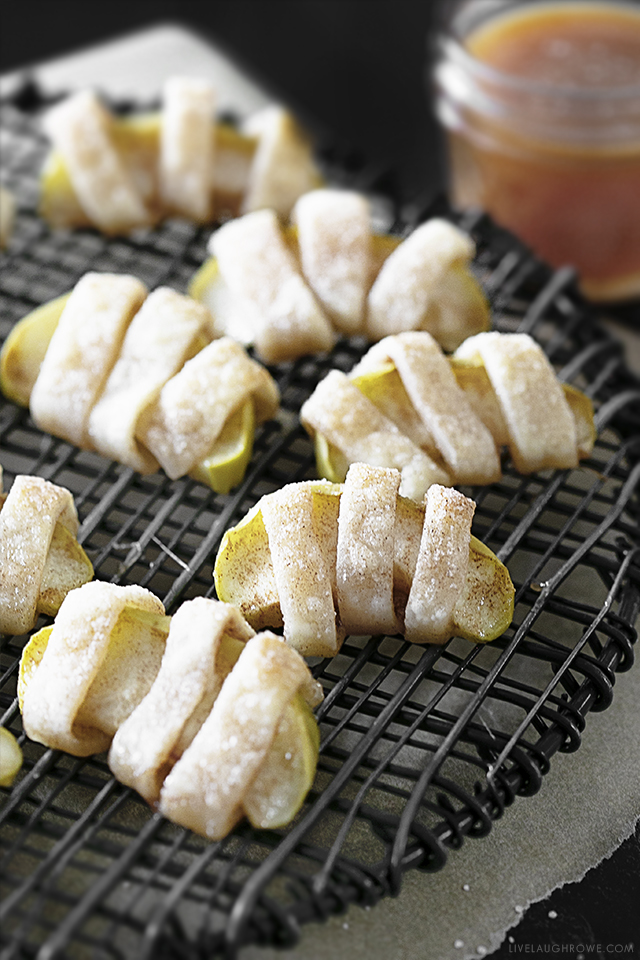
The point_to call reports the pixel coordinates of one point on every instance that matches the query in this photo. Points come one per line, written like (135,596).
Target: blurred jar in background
(541,103)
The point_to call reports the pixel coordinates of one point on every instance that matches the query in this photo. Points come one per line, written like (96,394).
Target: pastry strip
(80,130)
(82,351)
(465,443)
(206,787)
(283,167)
(441,568)
(365,555)
(77,648)
(301,573)
(540,424)
(256,265)
(334,237)
(181,426)
(187,147)
(28,518)
(407,283)
(341,413)
(165,332)
(191,675)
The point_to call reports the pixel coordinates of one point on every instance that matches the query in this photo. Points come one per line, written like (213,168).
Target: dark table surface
(354,70)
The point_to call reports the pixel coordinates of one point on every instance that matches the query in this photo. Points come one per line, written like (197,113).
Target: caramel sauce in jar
(542,107)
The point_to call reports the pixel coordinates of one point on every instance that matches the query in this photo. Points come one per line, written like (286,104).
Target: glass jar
(541,104)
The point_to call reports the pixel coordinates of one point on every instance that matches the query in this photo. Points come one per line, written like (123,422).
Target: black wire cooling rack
(421,746)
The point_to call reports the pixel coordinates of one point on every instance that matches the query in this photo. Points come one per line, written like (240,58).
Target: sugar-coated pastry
(187,142)
(207,788)
(136,378)
(330,273)
(258,267)
(82,351)
(118,173)
(80,129)
(40,558)
(498,390)
(334,237)
(205,719)
(194,666)
(324,559)
(102,655)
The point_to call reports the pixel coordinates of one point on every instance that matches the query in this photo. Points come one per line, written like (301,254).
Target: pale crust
(365,553)
(77,648)
(462,439)
(539,421)
(387,549)
(80,130)
(257,266)
(181,426)
(165,332)
(302,576)
(351,422)
(283,167)
(82,351)
(189,680)
(187,140)
(334,237)
(441,567)
(408,281)
(28,519)
(205,789)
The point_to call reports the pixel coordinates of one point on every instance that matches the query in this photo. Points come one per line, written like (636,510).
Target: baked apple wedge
(178,161)
(205,719)
(323,559)
(136,377)
(290,290)
(444,419)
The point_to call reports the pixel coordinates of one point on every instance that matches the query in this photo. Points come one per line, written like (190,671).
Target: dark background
(354,70)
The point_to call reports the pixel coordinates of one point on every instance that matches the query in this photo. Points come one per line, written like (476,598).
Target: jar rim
(454,50)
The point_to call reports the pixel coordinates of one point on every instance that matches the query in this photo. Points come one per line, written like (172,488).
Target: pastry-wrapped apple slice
(406,289)
(205,639)
(431,282)
(187,148)
(168,329)
(245,575)
(260,271)
(137,138)
(341,414)
(81,678)
(463,441)
(207,788)
(334,237)
(244,391)
(408,396)
(540,426)
(81,131)
(83,348)
(182,426)
(40,558)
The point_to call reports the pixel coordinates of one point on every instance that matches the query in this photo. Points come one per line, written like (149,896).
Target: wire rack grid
(421,747)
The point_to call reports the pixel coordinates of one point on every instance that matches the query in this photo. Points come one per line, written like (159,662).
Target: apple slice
(381,383)
(21,357)
(10,757)
(285,778)
(244,573)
